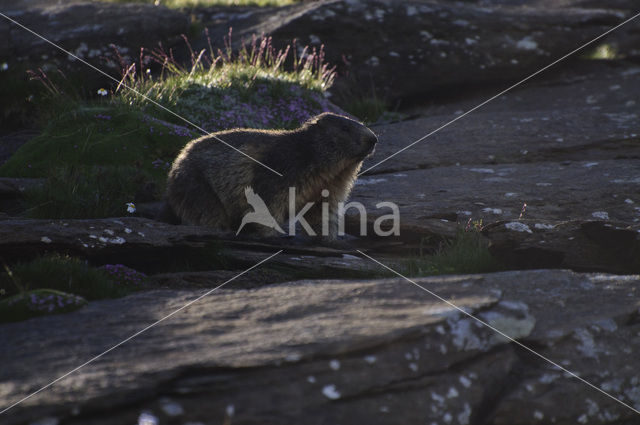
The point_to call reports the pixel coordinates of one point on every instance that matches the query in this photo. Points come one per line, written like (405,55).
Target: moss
(37,303)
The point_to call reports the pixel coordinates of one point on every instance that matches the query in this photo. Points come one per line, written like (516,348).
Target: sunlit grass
(257,86)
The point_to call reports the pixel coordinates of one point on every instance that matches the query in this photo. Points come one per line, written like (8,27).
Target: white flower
(4,66)
(131,207)
(102,92)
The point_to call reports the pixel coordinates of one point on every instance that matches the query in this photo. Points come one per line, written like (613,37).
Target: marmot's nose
(370,139)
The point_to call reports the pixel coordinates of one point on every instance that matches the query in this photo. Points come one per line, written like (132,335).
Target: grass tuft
(63,273)
(466,253)
(368,109)
(58,284)
(258,86)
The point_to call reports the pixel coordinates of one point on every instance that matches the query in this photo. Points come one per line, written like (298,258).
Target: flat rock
(156,247)
(337,351)
(587,115)
(407,50)
(87,29)
(574,190)
(98,238)
(578,245)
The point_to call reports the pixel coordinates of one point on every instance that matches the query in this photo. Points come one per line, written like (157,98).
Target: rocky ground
(336,351)
(269,348)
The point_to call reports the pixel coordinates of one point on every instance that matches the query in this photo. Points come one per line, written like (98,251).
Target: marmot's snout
(369,141)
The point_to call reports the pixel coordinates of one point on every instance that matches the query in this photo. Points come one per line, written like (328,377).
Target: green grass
(204,3)
(109,135)
(58,284)
(249,88)
(466,253)
(368,109)
(18,96)
(99,153)
(62,273)
(88,191)
(95,160)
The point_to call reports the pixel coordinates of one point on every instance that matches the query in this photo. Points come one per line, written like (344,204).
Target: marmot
(208,181)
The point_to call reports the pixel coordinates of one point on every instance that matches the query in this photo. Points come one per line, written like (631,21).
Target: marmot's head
(340,137)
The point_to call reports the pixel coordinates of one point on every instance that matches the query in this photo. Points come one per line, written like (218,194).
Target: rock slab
(347,352)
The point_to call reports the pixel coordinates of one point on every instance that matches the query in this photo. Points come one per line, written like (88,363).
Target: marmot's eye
(345,128)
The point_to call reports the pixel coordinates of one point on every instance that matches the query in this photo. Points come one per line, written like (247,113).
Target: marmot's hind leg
(167,214)
(204,207)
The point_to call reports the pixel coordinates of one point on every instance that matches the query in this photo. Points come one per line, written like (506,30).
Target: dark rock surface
(259,351)
(567,147)
(578,245)
(409,49)
(158,247)
(101,240)
(317,352)
(585,114)
(405,49)
(86,29)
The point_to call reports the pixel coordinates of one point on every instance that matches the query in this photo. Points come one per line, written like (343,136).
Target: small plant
(603,52)
(522,211)
(466,253)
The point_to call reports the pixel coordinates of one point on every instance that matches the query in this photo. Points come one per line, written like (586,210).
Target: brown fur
(207,180)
